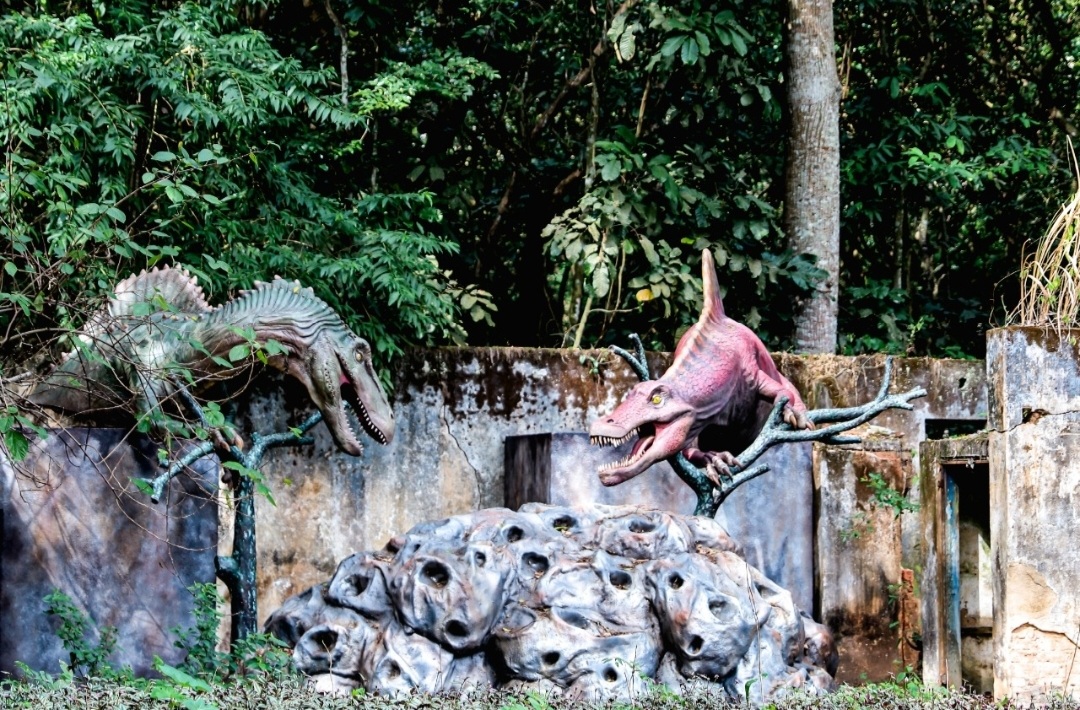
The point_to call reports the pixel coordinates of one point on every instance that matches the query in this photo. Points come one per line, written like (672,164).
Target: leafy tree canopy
(418,163)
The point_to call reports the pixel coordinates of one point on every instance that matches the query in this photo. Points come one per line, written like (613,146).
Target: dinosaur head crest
(331,361)
(713,306)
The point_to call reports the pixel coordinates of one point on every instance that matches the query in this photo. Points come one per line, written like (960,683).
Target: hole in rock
(514,533)
(435,574)
(538,563)
(393,670)
(717,606)
(695,645)
(675,581)
(357,584)
(610,675)
(563,522)
(638,525)
(326,639)
(573,618)
(550,658)
(620,579)
(480,558)
(456,628)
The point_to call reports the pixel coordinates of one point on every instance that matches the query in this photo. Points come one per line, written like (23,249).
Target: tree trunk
(812,188)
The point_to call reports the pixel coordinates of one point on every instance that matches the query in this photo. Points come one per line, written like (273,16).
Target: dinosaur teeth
(630,460)
(597,440)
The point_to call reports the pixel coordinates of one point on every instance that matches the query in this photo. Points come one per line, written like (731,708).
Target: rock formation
(593,602)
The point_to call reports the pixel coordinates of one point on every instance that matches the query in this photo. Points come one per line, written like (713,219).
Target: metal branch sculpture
(713,490)
(237,570)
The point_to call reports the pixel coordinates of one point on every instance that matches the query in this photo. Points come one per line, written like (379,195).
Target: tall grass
(1050,275)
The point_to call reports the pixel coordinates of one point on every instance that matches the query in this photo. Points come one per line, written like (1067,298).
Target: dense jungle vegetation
(525,173)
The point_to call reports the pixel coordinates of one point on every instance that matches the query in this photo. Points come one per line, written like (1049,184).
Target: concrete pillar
(1034,379)
(862,594)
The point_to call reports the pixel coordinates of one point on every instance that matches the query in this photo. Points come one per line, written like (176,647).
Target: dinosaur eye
(656,399)
(359,355)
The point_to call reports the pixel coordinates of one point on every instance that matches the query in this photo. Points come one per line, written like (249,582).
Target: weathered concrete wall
(858,560)
(73,521)
(454,409)
(1035,496)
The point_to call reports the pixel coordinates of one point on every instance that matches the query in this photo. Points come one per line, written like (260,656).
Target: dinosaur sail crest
(713,307)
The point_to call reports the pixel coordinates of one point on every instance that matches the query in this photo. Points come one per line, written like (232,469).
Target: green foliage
(289,693)
(142,133)
(883,496)
(564,161)
(75,630)
(945,171)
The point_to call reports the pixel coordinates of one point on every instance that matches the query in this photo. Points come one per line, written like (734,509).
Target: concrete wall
(454,409)
(1035,498)
(72,520)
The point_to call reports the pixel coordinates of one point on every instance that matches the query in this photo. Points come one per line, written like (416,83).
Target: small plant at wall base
(75,630)
(882,495)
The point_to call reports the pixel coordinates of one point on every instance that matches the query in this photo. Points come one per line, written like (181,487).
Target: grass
(288,692)
(1050,275)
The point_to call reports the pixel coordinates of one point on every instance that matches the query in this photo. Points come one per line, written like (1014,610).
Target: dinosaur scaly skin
(714,399)
(158,332)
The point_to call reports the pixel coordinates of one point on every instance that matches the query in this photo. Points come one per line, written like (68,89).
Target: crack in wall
(1032,415)
(476,471)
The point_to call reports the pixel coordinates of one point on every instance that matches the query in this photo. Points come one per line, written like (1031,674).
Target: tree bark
(812,185)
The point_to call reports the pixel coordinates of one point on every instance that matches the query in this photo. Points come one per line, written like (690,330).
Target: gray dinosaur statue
(158,334)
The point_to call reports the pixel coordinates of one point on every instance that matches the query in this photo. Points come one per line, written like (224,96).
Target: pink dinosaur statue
(714,399)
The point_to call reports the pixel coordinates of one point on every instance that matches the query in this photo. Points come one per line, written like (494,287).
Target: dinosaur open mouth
(353,404)
(351,398)
(646,434)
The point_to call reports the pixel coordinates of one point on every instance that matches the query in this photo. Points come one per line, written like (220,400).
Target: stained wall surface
(1034,499)
(71,520)
(456,407)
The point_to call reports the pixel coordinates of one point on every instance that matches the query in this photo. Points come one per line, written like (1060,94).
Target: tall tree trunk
(812,188)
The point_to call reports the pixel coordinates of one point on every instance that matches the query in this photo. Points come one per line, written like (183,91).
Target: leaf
(672,45)
(174,195)
(17,444)
(239,353)
(611,170)
(690,51)
(184,680)
(601,280)
(10,268)
(738,43)
(627,45)
(144,486)
(703,43)
(163,156)
(644,295)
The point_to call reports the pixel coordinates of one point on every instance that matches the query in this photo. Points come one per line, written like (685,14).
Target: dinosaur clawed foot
(718,467)
(797,419)
(225,439)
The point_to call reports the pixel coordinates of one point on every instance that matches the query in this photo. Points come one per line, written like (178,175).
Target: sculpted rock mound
(587,602)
